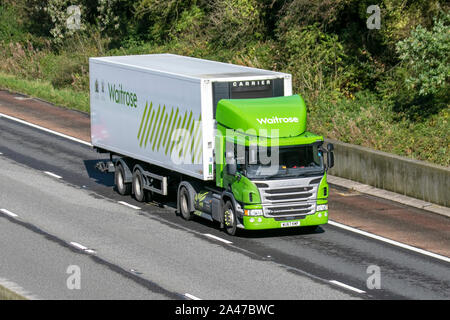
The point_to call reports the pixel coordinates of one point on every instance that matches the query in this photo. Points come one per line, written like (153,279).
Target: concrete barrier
(413,178)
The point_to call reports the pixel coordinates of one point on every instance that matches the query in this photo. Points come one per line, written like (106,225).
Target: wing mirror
(330,156)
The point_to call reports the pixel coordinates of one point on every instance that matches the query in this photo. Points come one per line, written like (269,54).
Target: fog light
(252,220)
(259,220)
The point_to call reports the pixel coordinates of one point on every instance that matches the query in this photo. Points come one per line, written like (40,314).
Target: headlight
(322,207)
(253,212)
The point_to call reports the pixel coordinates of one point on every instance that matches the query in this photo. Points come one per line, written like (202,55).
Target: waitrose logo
(275,120)
(118,95)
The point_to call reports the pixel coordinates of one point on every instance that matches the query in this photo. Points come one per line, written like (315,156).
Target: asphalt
(169,256)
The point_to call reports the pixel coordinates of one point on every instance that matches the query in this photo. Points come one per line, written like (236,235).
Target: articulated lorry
(229,141)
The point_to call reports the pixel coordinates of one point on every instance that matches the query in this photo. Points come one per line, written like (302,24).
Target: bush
(315,59)
(426,57)
(235,23)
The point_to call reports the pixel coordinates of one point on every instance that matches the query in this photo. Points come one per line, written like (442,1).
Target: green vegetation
(6,294)
(384,88)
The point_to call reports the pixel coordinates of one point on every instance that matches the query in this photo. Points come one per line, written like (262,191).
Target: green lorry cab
(269,171)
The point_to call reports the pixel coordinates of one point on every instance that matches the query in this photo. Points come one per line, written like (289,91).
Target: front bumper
(261,222)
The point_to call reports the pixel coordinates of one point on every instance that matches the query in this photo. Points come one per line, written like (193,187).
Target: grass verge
(44,90)
(6,294)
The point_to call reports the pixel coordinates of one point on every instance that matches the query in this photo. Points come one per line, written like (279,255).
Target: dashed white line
(52,175)
(81,247)
(347,286)
(217,238)
(192,297)
(129,205)
(393,242)
(9,213)
(46,130)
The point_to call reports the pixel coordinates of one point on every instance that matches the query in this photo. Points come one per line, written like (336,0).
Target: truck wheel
(119,178)
(183,200)
(139,192)
(229,218)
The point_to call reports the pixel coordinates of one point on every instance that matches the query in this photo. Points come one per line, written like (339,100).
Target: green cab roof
(279,117)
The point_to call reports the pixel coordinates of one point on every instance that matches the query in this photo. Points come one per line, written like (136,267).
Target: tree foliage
(426,57)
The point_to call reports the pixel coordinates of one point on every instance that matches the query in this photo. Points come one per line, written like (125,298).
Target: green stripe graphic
(159,127)
(170,134)
(185,138)
(145,126)
(178,134)
(142,121)
(149,128)
(162,131)
(162,126)
(163,137)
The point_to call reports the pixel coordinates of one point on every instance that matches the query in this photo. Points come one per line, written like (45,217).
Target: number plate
(290,224)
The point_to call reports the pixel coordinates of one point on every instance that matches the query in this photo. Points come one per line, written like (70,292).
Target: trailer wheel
(119,178)
(183,200)
(229,218)
(139,192)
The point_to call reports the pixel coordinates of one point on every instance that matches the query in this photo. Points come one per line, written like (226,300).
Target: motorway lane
(43,265)
(172,258)
(329,254)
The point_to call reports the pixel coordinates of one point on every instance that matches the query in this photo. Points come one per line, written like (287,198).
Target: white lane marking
(81,247)
(1,153)
(17,289)
(346,286)
(46,130)
(52,175)
(22,98)
(9,213)
(129,205)
(192,297)
(393,242)
(217,238)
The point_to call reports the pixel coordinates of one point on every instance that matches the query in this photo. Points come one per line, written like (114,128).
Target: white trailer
(138,103)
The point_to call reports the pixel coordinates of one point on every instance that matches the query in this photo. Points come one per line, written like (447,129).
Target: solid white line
(393,242)
(46,130)
(347,286)
(53,175)
(9,213)
(17,289)
(129,205)
(217,238)
(190,296)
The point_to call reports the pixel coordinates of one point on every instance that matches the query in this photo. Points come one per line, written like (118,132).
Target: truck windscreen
(282,162)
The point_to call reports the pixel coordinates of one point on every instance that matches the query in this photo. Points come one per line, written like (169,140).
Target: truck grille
(290,210)
(290,197)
